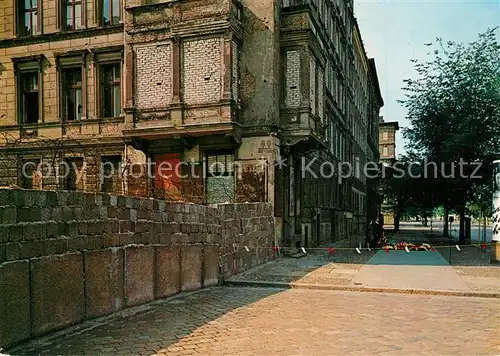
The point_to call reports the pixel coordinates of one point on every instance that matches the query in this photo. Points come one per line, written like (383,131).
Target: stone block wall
(250,225)
(70,256)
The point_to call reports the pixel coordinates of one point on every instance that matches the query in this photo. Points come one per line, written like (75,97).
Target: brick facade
(153,76)
(293,97)
(202,81)
(235,71)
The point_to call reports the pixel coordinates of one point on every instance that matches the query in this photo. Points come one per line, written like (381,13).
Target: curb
(285,285)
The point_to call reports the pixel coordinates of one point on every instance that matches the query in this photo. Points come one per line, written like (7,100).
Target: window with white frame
(110,89)
(72,100)
(28,17)
(110,12)
(72,13)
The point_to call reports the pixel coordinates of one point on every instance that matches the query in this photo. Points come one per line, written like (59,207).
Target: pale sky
(395,32)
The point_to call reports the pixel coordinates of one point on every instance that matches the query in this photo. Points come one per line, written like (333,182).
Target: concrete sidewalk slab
(403,258)
(422,270)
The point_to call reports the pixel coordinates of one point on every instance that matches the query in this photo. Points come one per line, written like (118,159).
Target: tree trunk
(461,238)
(484,228)
(426,222)
(479,227)
(445,224)
(396,219)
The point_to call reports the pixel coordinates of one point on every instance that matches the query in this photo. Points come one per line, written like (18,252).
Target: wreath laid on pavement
(406,245)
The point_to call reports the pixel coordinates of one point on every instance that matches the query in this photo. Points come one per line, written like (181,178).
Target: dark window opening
(111,90)
(28,17)
(72,11)
(72,173)
(72,94)
(110,12)
(28,169)
(110,174)
(29,101)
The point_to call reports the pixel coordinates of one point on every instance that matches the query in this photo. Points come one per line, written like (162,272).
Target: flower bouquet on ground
(406,245)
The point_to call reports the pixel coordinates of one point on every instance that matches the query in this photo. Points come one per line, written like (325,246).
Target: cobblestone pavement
(475,269)
(473,265)
(259,321)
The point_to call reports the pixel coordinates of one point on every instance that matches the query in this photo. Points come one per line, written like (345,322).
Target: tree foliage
(409,189)
(453,106)
(454,103)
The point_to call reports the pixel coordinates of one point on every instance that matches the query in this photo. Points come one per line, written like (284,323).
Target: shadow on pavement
(317,267)
(157,325)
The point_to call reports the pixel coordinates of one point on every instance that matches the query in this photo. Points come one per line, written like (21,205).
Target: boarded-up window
(202,72)
(292,93)
(167,176)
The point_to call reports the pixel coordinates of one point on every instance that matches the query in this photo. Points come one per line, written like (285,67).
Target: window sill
(84,121)
(24,37)
(112,119)
(70,30)
(111,25)
(31,125)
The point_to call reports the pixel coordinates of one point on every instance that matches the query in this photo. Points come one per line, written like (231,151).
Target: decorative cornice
(60,124)
(108,49)
(70,53)
(104,143)
(151,7)
(153,116)
(61,36)
(37,57)
(255,131)
(181,131)
(182,29)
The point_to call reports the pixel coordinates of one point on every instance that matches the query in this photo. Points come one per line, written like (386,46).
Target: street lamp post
(495,241)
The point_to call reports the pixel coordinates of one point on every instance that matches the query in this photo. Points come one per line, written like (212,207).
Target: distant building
(387,148)
(387,139)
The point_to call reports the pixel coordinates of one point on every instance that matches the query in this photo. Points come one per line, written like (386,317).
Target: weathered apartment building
(120,83)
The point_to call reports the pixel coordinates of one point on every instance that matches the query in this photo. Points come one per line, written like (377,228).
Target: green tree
(454,111)
(408,190)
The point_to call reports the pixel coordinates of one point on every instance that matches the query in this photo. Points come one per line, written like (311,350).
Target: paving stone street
(259,321)
(300,321)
